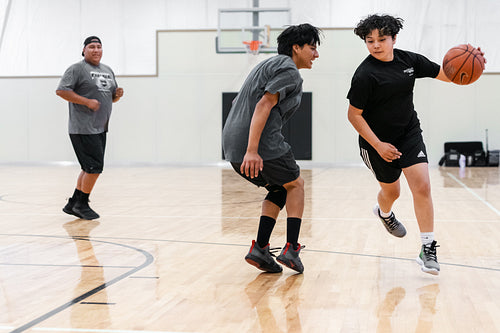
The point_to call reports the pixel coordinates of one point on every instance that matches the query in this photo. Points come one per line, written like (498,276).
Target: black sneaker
(391,224)
(262,258)
(427,259)
(290,258)
(68,209)
(83,211)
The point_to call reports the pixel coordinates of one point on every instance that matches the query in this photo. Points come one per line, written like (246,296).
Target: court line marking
(249,217)
(490,206)
(246,245)
(305,250)
(403,259)
(149,259)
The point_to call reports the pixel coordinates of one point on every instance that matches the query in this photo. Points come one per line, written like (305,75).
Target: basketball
(463,64)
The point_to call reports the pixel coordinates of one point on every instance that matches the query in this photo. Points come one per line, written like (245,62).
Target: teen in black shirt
(382,112)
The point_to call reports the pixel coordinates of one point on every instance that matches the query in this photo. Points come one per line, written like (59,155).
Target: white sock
(384,214)
(427,237)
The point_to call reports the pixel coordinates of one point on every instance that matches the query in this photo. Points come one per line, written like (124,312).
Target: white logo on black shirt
(410,71)
(421,154)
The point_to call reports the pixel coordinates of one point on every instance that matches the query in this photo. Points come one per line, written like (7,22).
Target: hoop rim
(253,45)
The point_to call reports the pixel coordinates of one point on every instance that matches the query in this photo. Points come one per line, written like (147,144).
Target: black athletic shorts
(412,152)
(279,171)
(89,149)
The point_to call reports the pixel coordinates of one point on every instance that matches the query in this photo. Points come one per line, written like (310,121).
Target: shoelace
(274,250)
(391,221)
(430,251)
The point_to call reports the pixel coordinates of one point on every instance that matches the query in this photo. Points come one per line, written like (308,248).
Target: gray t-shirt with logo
(278,74)
(93,82)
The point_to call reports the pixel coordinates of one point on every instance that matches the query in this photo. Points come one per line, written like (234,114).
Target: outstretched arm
(441,76)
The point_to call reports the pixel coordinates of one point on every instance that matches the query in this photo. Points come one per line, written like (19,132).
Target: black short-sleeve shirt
(384,91)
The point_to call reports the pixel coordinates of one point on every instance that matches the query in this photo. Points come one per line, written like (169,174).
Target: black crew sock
(76,194)
(266,226)
(83,197)
(293,230)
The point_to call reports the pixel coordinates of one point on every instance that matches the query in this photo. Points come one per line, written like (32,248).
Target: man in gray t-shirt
(94,83)
(252,141)
(90,88)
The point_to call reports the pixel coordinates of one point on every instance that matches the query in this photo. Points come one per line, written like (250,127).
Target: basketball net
(253,46)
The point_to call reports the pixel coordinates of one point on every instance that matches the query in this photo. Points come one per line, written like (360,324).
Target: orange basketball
(463,64)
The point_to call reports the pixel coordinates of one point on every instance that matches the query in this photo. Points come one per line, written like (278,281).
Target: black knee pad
(277,195)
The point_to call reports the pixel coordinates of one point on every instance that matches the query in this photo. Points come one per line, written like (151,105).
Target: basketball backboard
(239,27)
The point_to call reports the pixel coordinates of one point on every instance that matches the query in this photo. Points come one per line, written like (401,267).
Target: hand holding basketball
(463,64)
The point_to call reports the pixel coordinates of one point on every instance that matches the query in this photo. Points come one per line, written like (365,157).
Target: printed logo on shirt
(421,154)
(410,71)
(103,81)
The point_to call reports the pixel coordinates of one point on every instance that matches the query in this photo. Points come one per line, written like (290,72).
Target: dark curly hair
(387,25)
(297,34)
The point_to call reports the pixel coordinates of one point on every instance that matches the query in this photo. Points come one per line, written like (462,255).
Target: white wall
(38,37)
(176,117)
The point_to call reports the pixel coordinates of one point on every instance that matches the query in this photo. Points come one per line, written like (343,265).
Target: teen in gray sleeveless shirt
(253,142)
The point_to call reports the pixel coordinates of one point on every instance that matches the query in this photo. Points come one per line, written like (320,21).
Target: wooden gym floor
(167,255)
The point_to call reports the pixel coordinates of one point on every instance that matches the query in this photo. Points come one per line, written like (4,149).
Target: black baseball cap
(91,39)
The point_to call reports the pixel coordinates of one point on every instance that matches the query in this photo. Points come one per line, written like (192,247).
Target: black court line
(36,321)
(305,250)
(149,260)
(404,259)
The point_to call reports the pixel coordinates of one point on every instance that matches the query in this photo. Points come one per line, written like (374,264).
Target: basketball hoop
(253,46)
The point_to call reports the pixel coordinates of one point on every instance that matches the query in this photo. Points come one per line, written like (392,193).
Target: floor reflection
(289,293)
(95,308)
(262,291)
(386,308)
(427,296)
(473,177)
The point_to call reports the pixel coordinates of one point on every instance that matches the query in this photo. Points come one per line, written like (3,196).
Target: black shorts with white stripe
(412,152)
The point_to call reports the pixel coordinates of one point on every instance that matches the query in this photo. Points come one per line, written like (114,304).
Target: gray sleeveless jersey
(278,74)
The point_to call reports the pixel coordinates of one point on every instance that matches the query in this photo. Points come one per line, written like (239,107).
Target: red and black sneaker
(262,258)
(290,257)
